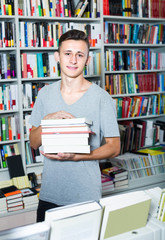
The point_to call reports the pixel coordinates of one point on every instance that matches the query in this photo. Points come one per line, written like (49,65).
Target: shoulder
(48,88)
(101,93)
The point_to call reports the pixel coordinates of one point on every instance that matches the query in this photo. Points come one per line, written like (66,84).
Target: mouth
(72,68)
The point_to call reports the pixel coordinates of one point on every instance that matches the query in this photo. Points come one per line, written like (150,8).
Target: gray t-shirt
(67,182)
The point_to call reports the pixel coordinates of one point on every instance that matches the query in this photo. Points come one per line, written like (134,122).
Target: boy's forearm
(109,150)
(35,137)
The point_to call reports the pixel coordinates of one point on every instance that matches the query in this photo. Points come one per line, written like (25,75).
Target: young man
(72,178)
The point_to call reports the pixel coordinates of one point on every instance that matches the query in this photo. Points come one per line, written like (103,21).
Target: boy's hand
(59,115)
(59,156)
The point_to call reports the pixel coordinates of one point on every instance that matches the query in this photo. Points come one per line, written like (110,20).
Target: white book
(155,229)
(52,65)
(76,221)
(66,149)
(160,224)
(39,231)
(62,136)
(71,129)
(71,121)
(155,194)
(64,141)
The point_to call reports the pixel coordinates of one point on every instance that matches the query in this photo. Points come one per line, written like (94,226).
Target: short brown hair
(74,35)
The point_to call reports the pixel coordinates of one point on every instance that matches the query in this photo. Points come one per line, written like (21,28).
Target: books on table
(14,200)
(123,213)
(66,135)
(76,221)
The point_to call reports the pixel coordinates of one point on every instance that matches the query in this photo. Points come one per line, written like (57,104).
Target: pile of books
(30,198)
(66,135)
(13,197)
(3,206)
(107,184)
(117,175)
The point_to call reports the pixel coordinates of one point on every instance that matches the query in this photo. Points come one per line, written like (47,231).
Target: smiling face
(73,56)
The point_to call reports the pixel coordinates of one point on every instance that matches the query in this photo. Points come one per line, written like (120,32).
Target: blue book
(40,65)
(26,35)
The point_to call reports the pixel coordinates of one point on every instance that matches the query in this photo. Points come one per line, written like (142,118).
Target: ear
(56,56)
(88,60)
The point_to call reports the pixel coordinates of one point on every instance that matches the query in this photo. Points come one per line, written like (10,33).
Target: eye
(67,54)
(80,55)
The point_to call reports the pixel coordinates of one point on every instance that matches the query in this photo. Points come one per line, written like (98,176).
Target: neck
(73,84)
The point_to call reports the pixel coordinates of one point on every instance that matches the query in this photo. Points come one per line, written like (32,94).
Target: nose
(73,59)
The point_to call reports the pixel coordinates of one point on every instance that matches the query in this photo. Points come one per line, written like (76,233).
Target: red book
(106,7)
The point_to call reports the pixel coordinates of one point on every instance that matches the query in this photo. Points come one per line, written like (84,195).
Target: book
(75,221)
(66,149)
(66,129)
(124,215)
(11,192)
(64,141)
(115,172)
(15,166)
(39,231)
(68,121)
(155,194)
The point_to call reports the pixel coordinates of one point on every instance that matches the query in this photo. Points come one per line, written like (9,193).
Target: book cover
(15,166)
(119,216)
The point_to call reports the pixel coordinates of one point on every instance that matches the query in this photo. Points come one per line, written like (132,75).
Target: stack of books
(30,198)
(66,135)
(3,206)
(107,184)
(14,200)
(118,175)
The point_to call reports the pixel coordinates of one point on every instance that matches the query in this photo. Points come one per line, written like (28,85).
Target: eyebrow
(71,51)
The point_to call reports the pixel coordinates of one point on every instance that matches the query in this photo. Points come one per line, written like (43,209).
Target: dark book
(11,192)
(15,166)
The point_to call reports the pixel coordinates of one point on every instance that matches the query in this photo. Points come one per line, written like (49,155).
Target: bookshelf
(25,107)
(124,40)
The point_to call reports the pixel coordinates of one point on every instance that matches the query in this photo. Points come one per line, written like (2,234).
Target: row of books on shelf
(141,133)
(142,163)
(98,220)
(32,155)
(44,65)
(7,7)
(139,8)
(63,8)
(134,83)
(8,151)
(29,93)
(7,34)
(138,106)
(47,34)
(7,65)
(9,127)
(8,97)
(134,59)
(134,33)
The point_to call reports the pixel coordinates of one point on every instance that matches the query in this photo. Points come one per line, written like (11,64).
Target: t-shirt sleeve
(109,125)
(37,112)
